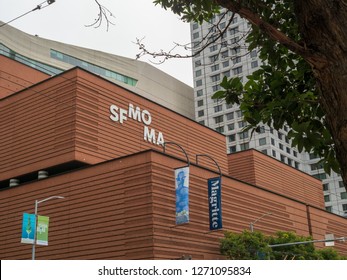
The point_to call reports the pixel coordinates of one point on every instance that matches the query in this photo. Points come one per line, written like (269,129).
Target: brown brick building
(102,147)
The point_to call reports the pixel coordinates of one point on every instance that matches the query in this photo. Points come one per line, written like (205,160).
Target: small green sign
(42,230)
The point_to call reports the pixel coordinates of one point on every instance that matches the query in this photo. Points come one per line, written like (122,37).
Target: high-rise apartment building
(229,56)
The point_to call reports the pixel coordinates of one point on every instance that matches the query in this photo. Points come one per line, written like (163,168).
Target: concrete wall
(153,83)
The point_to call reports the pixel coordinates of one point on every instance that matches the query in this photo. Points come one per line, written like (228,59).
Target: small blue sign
(28,228)
(215,202)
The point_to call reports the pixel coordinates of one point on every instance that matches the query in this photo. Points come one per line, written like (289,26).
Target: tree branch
(204,42)
(104,13)
(313,58)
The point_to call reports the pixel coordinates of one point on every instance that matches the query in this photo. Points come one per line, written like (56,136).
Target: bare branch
(104,13)
(209,39)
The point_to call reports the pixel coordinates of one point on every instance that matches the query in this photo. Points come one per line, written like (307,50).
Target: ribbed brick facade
(120,201)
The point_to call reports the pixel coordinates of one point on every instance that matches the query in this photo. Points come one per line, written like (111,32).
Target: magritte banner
(182,195)
(215,203)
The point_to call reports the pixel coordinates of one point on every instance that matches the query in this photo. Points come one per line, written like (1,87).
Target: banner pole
(36,210)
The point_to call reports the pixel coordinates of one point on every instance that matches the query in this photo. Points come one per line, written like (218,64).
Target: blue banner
(215,203)
(28,228)
(182,195)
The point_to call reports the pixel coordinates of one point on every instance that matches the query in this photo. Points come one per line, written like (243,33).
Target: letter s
(114,115)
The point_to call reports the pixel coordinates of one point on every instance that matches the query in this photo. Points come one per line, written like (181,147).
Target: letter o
(146,117)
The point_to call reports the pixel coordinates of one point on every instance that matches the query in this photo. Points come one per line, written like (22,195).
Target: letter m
(134,113)
(149,134)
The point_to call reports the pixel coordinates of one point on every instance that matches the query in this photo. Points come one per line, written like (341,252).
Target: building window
(231,126)
(201,113)
(92,67)
(200,103)
(218,108)
(272,142)
(215,78)
(196,35)
(213,48)
(226,74)
(239,114)
(195,45)
(213,58)
(244,146)
(254,64)
(215,67)
(202,122)
(329,208)
(236,60)
(274,153)
(195,25)
(288,150)
(295,154)
(218,119)
(289,161)
(264,152)
(197,63)
(326,187)
(225,63)
(234,30)
(232,149)
(220,129)
(198,83)
(262,141)
(280,146)
(327,198)
(243,135)
(344,207)
(199,93)
(343,195)
(230,116)
(283,158)
(215,88)
(225,54)
(296,165)
(241,124)
(261,129)
(237,70)
(198,73)
(253,53)
(235,50)
(341,185)
(316,166)
(286,139)
(321,176)
(234,40)
(280,135)
(313,156)
(232,137)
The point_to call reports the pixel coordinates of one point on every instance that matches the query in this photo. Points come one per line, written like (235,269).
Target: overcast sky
(65,21)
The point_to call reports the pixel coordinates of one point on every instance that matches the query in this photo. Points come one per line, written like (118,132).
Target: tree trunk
(323,25)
